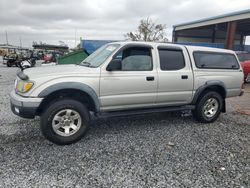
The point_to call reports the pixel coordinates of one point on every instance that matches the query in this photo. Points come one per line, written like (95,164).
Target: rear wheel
(208,107)
(65,121)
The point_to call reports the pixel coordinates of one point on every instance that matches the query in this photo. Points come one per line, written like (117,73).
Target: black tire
(8,63)
(199,111)
(53,109)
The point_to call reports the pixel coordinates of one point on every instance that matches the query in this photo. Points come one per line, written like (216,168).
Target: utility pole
(75,37)
(20,39)
(6,35)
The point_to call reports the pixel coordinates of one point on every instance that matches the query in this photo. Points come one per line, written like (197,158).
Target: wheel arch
(217,86)
(74,90)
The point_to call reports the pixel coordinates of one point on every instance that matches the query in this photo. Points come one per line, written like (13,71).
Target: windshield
(244,57)
(99,56)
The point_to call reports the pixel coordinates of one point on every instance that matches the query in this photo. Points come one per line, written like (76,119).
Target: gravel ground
(158,150)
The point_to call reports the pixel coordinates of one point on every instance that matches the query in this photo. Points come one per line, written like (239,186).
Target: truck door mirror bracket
(114,65)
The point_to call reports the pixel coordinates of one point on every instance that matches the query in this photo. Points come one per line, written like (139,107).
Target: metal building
(61,48)
(224,31)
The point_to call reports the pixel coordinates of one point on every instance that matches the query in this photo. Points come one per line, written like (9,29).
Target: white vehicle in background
(127,78)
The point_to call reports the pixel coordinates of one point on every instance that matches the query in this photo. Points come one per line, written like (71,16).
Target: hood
(58,70)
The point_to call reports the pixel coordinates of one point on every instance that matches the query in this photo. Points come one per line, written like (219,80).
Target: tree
(148,31)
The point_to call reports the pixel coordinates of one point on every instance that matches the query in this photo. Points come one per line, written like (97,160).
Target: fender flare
(72,85)
(207,85)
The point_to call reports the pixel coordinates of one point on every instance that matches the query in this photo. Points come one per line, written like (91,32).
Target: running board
(143,111)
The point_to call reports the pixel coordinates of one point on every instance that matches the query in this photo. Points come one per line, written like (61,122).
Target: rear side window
(214,60)
(171,59)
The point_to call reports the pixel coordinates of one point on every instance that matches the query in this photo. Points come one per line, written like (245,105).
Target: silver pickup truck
(127,78)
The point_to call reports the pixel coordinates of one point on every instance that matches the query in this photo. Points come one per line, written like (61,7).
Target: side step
(143,111)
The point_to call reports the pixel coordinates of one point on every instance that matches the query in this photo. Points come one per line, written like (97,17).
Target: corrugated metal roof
(244,14)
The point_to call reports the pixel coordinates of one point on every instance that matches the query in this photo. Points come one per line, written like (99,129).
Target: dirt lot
(158,150)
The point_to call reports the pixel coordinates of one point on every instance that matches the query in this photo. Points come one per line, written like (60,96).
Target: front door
(134,85)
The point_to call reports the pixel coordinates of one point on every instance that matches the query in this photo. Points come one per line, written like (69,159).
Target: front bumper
(25,107)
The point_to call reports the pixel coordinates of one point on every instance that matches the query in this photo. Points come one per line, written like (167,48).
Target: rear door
(175,81)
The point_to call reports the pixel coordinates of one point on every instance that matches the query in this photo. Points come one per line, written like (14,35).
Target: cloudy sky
(51,21)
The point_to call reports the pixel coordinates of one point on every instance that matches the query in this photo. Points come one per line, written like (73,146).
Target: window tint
(136,59)
(212,60)
(171,59)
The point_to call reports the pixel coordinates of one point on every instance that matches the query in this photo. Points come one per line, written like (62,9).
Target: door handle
(150,78)
(184,76)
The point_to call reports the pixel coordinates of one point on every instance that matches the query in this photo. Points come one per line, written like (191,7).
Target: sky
(51,21)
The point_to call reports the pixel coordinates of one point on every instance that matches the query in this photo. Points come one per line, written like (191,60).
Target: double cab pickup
(127,78)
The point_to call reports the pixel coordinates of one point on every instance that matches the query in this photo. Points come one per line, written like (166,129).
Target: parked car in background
(51,57)
(244,58)
(127,78)
(48,58)
(18,59)
(12,59)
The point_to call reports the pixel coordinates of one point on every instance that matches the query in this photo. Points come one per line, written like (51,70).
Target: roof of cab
(193,48)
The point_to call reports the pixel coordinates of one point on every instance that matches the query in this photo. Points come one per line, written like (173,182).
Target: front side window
(171,59)
(214,60)
(99,56)
(135,59)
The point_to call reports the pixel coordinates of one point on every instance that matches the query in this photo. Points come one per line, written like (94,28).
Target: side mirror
(114,65)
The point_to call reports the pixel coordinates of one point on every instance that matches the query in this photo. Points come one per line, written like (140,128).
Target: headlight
(23,86)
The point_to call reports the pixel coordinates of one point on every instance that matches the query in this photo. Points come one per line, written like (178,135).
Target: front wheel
(208,107)
(65,121)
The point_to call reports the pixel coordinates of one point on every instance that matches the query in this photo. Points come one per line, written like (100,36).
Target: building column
(174,38)
(231,30)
